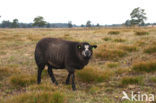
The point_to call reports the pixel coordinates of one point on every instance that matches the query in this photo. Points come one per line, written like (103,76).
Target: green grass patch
(42,86)
(112,64)
(119,40)
(150,50)
(114,32)
(106,39)
(137,80)
(94,89)
(22,80)
(37,97)
(109,54)
(152,79)
(6,71)
(149,66)
(92,74)
(140,33)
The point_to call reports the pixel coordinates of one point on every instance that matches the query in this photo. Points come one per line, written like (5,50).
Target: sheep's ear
(94,46)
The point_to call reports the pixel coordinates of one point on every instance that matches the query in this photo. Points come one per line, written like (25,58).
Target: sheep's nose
(87,53)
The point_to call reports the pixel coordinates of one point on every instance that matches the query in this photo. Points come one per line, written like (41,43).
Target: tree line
(138,18)
(39,22)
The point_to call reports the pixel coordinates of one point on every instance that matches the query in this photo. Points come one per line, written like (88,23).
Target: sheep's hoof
(74,88)
(67,83)
(56,83)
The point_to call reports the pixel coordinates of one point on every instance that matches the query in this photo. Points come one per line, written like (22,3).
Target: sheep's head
(85,49)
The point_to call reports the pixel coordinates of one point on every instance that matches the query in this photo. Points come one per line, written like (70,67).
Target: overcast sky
(77,11)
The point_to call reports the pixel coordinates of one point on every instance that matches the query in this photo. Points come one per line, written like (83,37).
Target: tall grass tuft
(150,50)
(149,66)
(112,64)
(109,54)
(119,40)
(92,74)
(138,80)
(113,32)
(22,80)
(37,97)
(140,33)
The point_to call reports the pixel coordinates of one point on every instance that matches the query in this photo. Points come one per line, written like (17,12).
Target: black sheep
(61,54)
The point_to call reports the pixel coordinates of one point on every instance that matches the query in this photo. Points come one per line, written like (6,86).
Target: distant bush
(113,32)
(91,74)
(149,66)
(150,50)
(22,80)
(139,33)
(37,97)
(138,80)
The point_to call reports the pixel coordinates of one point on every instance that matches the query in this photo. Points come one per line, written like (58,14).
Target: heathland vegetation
(125,60)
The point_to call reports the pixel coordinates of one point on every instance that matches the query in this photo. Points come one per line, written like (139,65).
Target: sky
(77,11)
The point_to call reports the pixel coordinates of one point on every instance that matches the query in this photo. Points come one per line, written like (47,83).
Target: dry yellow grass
(112,66)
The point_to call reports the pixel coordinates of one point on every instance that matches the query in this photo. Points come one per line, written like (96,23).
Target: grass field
(125,60)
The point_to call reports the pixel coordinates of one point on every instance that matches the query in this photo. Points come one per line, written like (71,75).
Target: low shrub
(113,32)
(152,79)
(138,80)
(149,66)
(119,40)
(7,71)
(140,33)
(22,80)
(91,74)
(150,50)
(109,54)
(106,38)
(112,64)
(36,97)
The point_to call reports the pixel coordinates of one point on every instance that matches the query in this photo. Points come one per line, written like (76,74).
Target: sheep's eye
(79,47)
(92,48)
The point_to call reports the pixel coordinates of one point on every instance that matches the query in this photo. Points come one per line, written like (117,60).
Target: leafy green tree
(138,16)
(82,25)
(15,23)
(128,23)
(88,24)
(97,25)
(6,24)
(70,24)
(39,21)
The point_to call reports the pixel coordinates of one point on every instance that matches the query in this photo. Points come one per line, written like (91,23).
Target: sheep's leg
(73,81)
(68,78)
(52,75)
(40,69)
